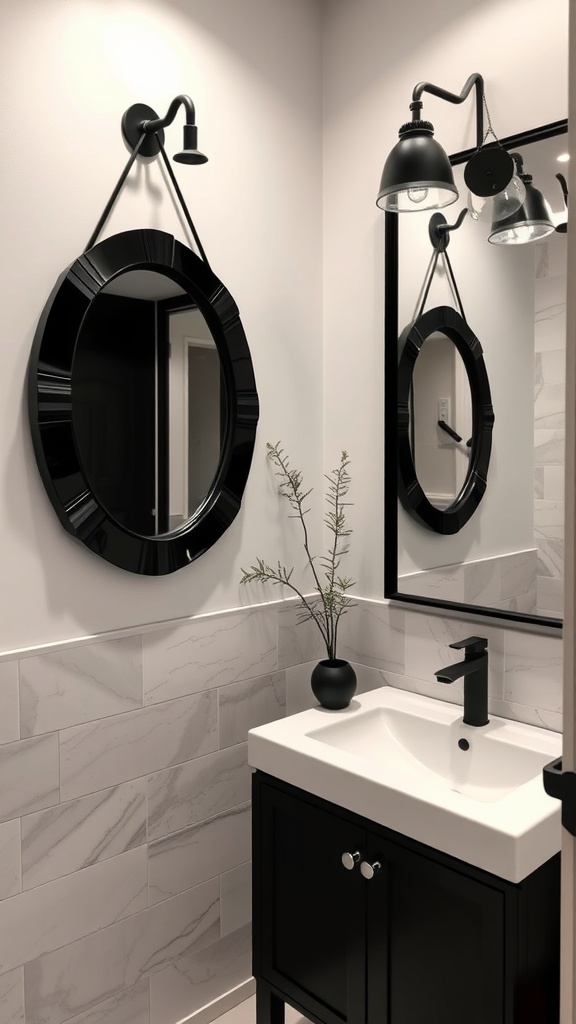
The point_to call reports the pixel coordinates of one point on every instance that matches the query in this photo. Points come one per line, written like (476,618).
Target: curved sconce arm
(562,228)
(435,90)
(161,122)
(564,187)
(519,162)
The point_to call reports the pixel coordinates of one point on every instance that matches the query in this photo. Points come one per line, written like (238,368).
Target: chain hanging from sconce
(486,199)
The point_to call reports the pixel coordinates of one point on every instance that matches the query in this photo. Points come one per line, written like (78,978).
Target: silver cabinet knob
(349,860)
(369,870)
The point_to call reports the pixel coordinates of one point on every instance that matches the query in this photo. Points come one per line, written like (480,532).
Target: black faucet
(474,668)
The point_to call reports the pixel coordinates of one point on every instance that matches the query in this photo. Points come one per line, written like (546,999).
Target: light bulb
(417,195)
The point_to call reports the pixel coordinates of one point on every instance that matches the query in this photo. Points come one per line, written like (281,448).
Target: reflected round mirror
(440,420)
(143,404)
(148,406)
(427,391)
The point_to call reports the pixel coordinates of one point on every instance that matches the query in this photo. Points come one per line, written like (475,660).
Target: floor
(245,1013)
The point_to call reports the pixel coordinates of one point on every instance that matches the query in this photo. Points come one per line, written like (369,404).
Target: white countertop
(509,833)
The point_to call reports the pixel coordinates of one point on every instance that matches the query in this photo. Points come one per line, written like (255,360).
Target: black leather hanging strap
(118,188)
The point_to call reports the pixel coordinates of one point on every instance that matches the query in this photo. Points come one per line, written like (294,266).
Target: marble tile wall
(125,820)
(504,581)
(125,796)
(389,645)
(549,422)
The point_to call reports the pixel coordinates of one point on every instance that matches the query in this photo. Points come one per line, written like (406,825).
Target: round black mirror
(143,403)
(443,501)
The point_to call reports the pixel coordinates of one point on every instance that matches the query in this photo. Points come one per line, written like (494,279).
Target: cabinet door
(309,910)
(435,943)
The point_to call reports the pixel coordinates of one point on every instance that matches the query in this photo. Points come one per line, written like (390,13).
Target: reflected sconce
(418,175)
(531,222)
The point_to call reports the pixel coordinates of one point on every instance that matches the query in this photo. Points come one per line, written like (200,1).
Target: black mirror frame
(447,321)
(50,381)
(391,457)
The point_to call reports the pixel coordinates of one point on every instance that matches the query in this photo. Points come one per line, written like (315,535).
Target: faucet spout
(474,669)
(452,672)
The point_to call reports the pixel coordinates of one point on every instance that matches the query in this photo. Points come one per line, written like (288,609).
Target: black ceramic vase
(333,683)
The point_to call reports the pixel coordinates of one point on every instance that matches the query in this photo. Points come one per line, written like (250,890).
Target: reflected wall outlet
(444,414)
(444,409)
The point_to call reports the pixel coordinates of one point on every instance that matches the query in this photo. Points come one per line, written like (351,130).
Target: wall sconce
(143,131)
(140,119)
(418,175)
(531,222)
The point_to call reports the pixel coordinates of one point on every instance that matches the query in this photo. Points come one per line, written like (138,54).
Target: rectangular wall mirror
(507,560)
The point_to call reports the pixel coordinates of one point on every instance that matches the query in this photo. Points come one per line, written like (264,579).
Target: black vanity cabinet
(426,939)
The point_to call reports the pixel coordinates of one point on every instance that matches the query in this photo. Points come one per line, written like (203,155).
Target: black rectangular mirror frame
(391,332)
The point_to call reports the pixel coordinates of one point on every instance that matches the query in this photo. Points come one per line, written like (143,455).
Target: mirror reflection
(510,555)
(148,404)
(440,420)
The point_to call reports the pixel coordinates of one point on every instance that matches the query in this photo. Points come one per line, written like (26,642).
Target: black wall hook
(439,229)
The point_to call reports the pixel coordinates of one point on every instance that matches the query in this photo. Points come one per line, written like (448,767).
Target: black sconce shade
(190,153)
(417,174)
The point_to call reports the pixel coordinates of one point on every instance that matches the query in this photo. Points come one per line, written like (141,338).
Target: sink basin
(484,764)
(408,762)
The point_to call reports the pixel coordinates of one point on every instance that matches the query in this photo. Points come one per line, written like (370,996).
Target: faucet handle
(473,645)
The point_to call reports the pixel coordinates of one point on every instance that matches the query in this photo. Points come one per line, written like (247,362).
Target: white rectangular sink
(409,763)
(485,764)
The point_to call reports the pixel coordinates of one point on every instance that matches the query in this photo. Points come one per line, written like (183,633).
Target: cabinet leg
(269,1006)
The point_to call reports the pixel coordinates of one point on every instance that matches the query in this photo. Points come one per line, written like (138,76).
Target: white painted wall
(69,70)
(374,54)
(254,70)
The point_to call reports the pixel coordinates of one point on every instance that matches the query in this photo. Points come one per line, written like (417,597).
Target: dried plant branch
(334,601)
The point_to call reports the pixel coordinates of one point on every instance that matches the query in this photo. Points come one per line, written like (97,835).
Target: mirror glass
(440,394)
(509,557)
(148,407)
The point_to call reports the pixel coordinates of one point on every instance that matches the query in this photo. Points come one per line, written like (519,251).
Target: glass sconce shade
(496,190)
(499,207)
(532,221)
(417,174)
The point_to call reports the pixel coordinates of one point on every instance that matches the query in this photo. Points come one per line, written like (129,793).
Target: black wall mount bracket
(562,786)
(132,121)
